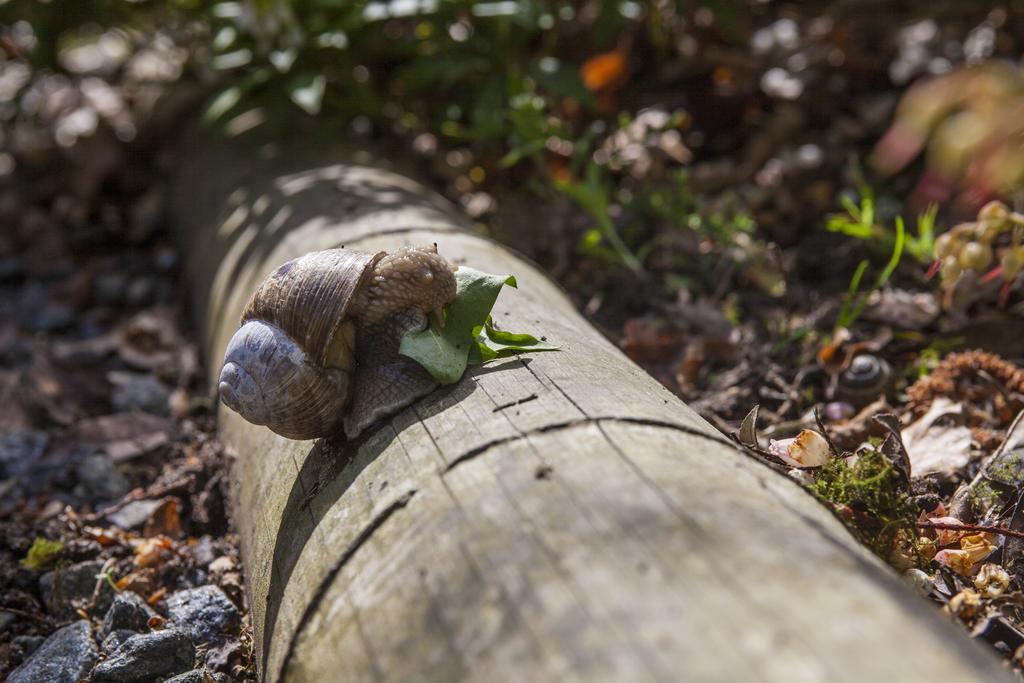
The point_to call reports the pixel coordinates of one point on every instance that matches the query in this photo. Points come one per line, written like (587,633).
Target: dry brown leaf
(124,435)
(150,552)
(938,447)
(164,520)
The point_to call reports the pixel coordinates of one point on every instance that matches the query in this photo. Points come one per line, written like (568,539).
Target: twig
(971,527)
(151,493)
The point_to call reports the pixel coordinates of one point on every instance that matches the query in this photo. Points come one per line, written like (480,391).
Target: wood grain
(556,518)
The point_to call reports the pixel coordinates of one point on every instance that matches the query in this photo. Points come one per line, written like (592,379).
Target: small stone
(139,391)
(108,289)
(198,676)
(67,589)
(203,551)
(223,654)
(147,656)
(129,611)
(99,479)
(66,656)
(115,639)
(6,619)
(141,291)
(134,514)
(222,565)
(20,450)
(28,644)
(10,269)
(205,611)
(53,317)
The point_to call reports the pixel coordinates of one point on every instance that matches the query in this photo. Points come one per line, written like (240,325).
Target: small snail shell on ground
(318,347)
(864,380)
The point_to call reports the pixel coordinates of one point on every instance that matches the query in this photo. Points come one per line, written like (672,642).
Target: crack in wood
(581,421)
(358,542)
(512,404)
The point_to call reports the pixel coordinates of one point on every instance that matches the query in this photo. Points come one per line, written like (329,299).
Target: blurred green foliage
(860,222)
(511,80)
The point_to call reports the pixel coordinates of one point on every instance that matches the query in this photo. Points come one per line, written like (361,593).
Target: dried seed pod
(975,256)
(317,350)
(946,245)
(1012,262)
(995,211)
(950,270)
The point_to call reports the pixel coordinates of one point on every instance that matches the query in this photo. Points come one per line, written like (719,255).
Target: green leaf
(508,338)
(444,352)
(468,335)
(494,344)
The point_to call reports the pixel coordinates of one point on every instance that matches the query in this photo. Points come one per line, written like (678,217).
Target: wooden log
(562,517)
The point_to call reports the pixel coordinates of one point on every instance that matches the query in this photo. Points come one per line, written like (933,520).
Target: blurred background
(745,195)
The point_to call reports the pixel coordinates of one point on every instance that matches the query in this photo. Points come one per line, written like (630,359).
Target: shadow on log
(557,518)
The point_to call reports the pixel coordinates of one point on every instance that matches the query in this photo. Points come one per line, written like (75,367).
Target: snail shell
(317,350)
(864,380)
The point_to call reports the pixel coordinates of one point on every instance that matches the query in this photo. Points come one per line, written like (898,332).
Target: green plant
(856,300)
(868,493)
(591,195)
(859,221)
(108,576)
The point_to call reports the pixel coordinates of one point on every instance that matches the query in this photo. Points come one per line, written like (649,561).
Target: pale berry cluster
(982,247)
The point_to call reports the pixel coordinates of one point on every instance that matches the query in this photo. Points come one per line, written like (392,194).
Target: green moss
(42,554)
(982,498)
(871,500)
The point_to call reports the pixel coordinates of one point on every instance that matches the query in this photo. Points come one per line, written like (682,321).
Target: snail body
(317,350)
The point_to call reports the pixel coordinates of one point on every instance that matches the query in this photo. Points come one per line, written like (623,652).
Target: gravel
(205,611)
(147,656)
(66,656)
(129,611)
(66,589)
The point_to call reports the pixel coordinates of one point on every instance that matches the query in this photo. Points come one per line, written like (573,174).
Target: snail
(864,380)
(317,350)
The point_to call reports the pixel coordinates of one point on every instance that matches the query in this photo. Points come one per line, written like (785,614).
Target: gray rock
(134,514)
(19,451)
(99,480)
(66,589)
(141,291)
(205,611)
(147,656)
(67,655)
(52,317)
(10,269)
(108,288)
(204,551)
(223,654)
(139,391)
(129,611)
(197,676)
(115,639)
(28,644)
